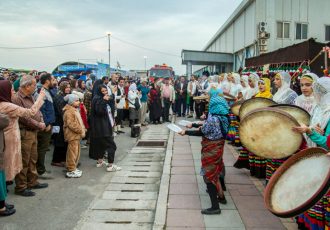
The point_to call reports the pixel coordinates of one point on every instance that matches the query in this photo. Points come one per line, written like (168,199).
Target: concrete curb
(161,207)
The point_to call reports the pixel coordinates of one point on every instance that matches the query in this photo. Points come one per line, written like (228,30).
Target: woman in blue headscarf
(213,133)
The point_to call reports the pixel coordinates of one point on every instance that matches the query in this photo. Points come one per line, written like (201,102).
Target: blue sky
(167,26)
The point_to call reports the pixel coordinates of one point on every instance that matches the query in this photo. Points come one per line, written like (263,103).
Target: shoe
(113,168)
(168,121)
(9,206)
(39,186)
(211,211)
(83,146)
(189,116)
(222,200)
(78,170)
(101,164)
(73,174)
(26,192)
(121,131)
(58,164)
(46,176)
(7,212)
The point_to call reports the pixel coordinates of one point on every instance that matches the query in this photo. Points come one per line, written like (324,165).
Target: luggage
(135,130)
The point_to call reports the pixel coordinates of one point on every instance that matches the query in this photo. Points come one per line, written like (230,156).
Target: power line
(89,40)
(145,48)
(50,46)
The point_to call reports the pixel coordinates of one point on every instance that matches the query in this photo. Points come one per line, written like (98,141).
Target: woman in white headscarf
(318,216)
(284,94)
(134,104)
(253,83)
(245,87)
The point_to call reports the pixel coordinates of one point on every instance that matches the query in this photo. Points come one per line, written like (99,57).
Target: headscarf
(253,91)
(5,92)
(245,88)
(321,114)
(235,87)
(284,94)
(89,85)
(307,103)
(61,88)
(133,87)
(266,93)
(96,90)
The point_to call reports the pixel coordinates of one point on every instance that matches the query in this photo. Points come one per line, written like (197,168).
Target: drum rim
(255,98)
(294,106)
(237,103)
(280,171)
(270,110)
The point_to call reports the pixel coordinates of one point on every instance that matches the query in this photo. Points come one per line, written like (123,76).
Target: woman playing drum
(318,217)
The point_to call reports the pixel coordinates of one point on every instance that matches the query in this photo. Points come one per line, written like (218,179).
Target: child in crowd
(74,131)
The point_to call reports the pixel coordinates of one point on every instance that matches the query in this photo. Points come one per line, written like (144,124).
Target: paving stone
(226,228)
(189,189)
(261,219)
(183,170)
(227,219)
(138,174)
(182,179)
(184,218)
(184,202)
(178,228)
(115,195)
(121,216)
(111,226)
(238,179)
(121,204)
(143,187)
(152,168)
(243,190)
(147,150)
(182,157)
(249,202)
(133,163)
(183,152)
(123,180)
(206,203)
(182,163)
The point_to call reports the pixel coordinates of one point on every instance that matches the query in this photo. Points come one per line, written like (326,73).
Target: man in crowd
(192,91)
(144,89)
(120,102)
(167,97)
(27,179)
(48,113)
(181,96)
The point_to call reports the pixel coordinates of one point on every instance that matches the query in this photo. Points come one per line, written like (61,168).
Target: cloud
(168,26)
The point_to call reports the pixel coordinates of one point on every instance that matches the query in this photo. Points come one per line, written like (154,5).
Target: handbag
(136,103)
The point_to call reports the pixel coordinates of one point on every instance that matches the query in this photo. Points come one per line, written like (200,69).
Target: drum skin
(301,115)
(254,103)
(267,132)
(299,183)
(236,107)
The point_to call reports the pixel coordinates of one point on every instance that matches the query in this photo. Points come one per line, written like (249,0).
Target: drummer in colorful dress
(284,95)
(258,164)
(318,217)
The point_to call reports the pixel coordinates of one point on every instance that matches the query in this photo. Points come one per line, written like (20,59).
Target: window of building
(301,30)
(327,33)
(283,29)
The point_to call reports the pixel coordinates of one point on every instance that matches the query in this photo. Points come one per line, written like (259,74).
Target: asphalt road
(61,205)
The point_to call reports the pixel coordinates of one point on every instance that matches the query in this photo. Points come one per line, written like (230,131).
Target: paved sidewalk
(187,194)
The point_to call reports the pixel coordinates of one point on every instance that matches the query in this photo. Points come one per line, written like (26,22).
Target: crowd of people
(37,109)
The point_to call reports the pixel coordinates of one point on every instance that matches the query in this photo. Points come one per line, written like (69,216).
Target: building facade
(260,26)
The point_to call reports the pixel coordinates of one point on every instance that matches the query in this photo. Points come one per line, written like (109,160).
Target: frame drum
(235,107)
(254,103)
(299,183)
(267,132)
(301,115)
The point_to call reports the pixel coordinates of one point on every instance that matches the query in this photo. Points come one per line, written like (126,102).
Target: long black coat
(101,135)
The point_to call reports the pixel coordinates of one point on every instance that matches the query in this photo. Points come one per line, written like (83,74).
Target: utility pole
(109,34)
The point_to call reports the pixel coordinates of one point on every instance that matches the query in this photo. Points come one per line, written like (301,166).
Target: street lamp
(145,62)
(109,34)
